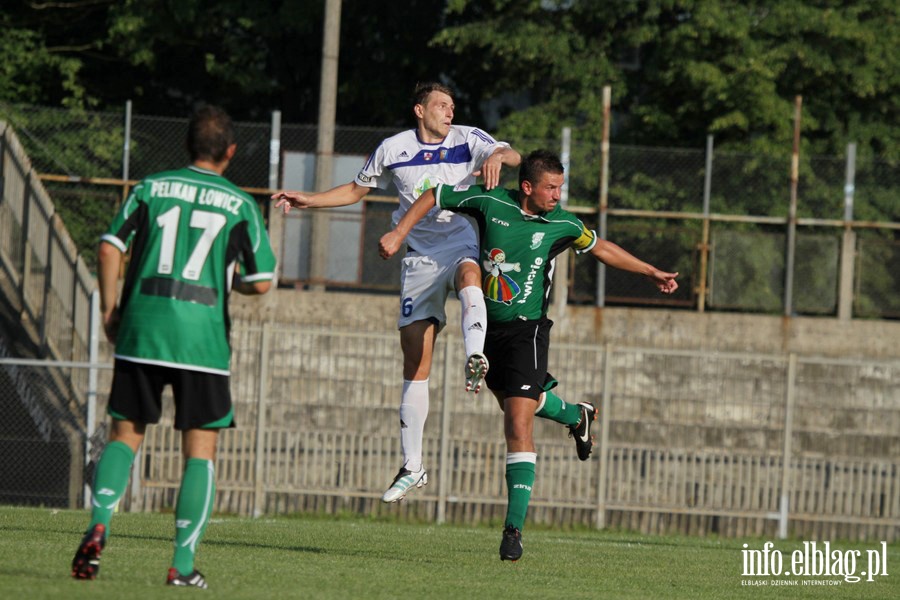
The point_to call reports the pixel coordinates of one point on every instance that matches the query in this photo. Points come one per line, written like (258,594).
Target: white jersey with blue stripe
(415,167)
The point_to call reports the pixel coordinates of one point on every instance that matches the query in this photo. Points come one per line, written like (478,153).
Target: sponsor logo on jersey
(363,178)
(443,154)
(404,154)
(428,155)
(500,222)
(424,185)
(460,188)
(498,286)
(525,387)
(529,280)
(536,240)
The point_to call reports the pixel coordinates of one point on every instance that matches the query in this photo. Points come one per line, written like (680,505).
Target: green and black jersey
(517,249)
(187,230)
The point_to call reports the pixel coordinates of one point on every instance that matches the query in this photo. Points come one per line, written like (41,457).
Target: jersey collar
(204,171)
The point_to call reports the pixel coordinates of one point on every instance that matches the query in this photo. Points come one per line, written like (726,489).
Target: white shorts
(427,281)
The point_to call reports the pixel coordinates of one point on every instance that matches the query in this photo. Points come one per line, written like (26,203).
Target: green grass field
(349,557)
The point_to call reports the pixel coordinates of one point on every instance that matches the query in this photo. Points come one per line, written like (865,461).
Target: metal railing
(745,444)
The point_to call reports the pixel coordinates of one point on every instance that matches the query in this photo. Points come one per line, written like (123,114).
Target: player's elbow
(107,250)
(260,287)
(108,254)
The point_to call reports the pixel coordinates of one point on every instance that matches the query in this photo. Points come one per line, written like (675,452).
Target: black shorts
(202,400)
(517,352)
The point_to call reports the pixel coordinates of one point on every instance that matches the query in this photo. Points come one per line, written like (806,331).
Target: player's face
(544,195)
(436,116)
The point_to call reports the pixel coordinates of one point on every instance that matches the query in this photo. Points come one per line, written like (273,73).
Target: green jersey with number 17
(187,230)
(517,249)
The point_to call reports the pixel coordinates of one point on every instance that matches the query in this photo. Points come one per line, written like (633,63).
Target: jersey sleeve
(482,145)
(125,223)
(374,174)
(460,197)
(257,258)
(587,240)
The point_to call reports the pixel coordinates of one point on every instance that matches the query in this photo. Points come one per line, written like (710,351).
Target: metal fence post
(259,490)
(48,284)
(25,280)
(785,500)
(91,404)
(604,192)
(275,150)
(792,214)
(704,242)
(443,486)
(848,245)
(126,151)
(561,270)
(606,404)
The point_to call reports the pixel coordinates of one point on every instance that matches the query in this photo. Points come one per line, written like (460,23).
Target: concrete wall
(634,327)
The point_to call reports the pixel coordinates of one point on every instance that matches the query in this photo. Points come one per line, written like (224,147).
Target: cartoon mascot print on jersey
(499,287)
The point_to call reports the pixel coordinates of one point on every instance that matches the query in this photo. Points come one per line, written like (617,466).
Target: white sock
(413,412)
(474,318)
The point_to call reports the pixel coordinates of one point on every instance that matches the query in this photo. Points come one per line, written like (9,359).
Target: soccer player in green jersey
(193,236)
(521,234)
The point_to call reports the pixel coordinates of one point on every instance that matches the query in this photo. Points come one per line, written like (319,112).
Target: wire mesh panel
(878,277)
(40,434)
(75,142)
(664,179)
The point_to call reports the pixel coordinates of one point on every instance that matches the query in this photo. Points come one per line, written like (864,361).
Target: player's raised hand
(286,200)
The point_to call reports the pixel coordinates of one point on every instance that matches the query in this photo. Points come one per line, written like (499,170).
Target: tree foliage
(679,69)
(682,69)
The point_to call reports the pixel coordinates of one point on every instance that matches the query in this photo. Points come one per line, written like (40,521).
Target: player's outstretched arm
(342,195)
(617,257)
(391,241)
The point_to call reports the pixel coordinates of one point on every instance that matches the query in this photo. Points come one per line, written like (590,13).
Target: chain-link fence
(721,219)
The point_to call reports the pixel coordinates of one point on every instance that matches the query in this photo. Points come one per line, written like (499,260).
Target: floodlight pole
(331,46)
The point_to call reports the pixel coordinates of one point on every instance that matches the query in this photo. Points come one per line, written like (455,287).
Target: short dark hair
(422,91)
(210,133)
(537,163)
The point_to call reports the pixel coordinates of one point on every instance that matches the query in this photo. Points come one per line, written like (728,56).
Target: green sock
(110,481)
(519,481)
(195,502)
(556,409)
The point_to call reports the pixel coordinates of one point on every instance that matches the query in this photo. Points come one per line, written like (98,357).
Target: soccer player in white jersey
(442,250)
